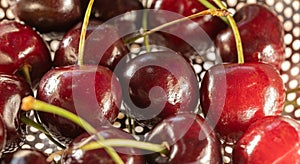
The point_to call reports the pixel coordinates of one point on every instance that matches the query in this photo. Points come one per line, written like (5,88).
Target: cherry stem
(211,6)
(145,27)
(213,12)
(126,143)
(26,72)
(293,90)
(30,122)
(83,32)
(294,103)
(29,103)
(236,32)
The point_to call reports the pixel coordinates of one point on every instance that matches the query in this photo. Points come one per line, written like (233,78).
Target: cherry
(12,90)
(106,9)
(25,156)
(156,85)
(2,135)
(233,96)
(49,15)
(91,92)
(99,156)
(21,46)
(278,136)
(67,52)
(209,25)
(262,35)
(190,138)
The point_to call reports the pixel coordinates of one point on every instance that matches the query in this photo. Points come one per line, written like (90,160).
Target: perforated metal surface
(288,11)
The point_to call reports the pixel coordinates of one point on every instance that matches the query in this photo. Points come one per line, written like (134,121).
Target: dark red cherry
(273,139)
(49,15)
(262,35)
(92,92)
(107,9)
(201,30)
(20,45)
(190,138)
(2,135)
(25,156)
(158,84)
(96,49)
(210,24)
(233,96)
(99,156)
(12,90)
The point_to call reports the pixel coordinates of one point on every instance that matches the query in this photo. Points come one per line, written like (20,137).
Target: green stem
(293,90)
(29,103)
(236,32)
(211,6)
(83,32)
(214,12)
(220,4)
(145,27)
(126,143)
(294,103)
(26,73)
(30,122)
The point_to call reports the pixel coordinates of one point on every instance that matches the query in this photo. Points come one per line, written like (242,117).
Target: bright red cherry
(233,96)
(273,139)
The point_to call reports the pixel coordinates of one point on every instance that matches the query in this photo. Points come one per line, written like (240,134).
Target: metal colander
(289,13)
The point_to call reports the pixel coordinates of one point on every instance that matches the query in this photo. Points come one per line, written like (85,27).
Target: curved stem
(214,12)
(30,122)
(211,6)
(236,33)
(29,103)
(83,32)
(126,143)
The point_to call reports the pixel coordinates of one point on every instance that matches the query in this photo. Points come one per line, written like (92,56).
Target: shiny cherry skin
(209,25)
(25,156)
(273,139)
(233,96)
(92,92)
(107,9)
(20,45)
(49,15)
(2,135)
(99,156)
(156,85)
(12,90)
(97,34)
(190,138)
(262,35)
